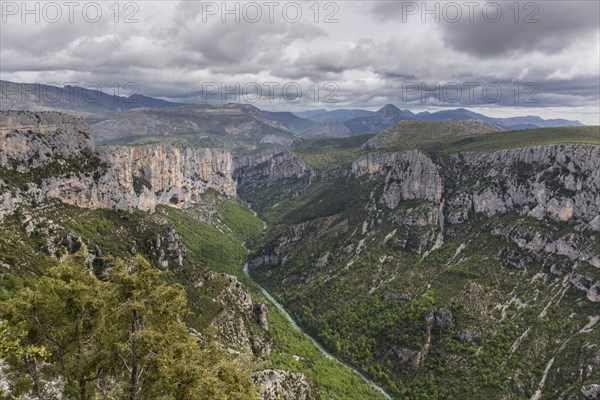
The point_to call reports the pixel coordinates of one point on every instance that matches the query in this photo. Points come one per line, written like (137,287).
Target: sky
(503,58)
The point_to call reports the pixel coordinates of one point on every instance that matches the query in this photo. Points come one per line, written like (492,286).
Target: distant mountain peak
(392,113)
(389,109)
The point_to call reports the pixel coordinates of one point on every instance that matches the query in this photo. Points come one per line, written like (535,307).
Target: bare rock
(591,392)
(273,384)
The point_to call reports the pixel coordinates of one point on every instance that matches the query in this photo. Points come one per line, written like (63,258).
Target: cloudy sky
(498,58)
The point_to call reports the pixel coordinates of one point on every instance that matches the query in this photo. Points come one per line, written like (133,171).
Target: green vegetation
(449,325)
(212,233)
(408,135)
(209,244)
(326,199)
(85,164)
(139,184)
(449,137)
(323,153)
(477,317)
(244,224)
(120,337)
(295,352)
(524,138)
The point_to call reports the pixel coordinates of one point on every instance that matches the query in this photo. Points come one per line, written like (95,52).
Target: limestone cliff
(169,174)
(266,167)
(408,176)
(58,153)
(560,182)
(30,140)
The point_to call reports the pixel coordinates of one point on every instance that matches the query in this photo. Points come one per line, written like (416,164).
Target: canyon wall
(560,182)
(57,153)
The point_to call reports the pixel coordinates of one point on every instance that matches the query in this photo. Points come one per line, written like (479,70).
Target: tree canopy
(120,336)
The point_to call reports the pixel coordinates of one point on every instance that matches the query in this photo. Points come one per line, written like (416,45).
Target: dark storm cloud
(559,24)
(393,74)
(544,26)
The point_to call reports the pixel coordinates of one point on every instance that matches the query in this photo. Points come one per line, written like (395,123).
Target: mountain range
(73,99)
(137,117)
(388,115)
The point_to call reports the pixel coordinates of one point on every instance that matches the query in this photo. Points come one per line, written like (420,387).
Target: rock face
(273,384)
(167,250)
(35,139)
(408,176)
(170,174)
(591,392)
(124,178)
(267,167)
(242,324)
(560,182)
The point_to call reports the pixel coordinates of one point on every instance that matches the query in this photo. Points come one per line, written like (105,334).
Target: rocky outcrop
(407,176)
(123,178)
(274,384)
(588,285)
(267,167)
(9,202)
(242,324)
(51,389)
(31,140)
(560,182)
(591,392)
(167,249)
(274,254)
(260,310)
(535,241)
(415,358)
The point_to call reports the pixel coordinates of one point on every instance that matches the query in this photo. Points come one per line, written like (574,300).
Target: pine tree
(122,337)
(63,312)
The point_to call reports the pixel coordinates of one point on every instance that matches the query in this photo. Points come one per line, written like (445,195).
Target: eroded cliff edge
(560,182)
(57,155)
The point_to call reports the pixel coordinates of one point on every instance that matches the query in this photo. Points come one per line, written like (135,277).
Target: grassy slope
(528,137)
(411,134)
(324,153)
